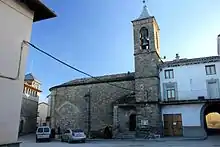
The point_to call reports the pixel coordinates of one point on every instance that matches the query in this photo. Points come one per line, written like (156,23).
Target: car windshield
(78,130)
(40,130)
(46,130)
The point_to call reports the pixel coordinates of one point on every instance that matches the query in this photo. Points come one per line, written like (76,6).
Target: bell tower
(147,60)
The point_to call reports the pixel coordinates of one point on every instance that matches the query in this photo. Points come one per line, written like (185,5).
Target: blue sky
(96,35)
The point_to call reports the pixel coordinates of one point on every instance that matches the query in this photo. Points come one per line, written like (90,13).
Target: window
(46,129)
(171,94)
(40,130)
(170,91)
(210,69)
(169,74)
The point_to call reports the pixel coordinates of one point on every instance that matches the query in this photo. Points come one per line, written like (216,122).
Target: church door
(132,122)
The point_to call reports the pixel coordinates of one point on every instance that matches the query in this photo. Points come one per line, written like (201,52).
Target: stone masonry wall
(70,104)
(28,115)
(152,115)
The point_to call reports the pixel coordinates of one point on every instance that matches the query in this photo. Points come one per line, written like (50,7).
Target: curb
(155,140)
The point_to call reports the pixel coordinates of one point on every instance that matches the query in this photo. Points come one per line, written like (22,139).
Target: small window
(171,94)
(46,130)
(40,130)
(77,130)
(210,69)
(169,74)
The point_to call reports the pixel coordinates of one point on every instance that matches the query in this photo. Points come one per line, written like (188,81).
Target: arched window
(144,38)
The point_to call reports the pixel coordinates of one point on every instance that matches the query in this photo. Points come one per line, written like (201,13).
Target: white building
(16,18)
(189,91)
(42,114)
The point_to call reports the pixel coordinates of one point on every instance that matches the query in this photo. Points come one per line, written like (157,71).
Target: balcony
(192,96)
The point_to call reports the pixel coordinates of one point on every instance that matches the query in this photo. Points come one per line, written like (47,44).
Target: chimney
(177,57)
(218,46)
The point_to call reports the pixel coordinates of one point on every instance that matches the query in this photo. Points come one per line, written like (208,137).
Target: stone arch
(206,109)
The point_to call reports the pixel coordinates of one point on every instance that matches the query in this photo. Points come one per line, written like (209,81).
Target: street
(211,141)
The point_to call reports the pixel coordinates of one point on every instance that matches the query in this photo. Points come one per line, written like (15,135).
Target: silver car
(76,135)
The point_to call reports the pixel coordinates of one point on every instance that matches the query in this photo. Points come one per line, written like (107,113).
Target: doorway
(173,125)
(21,125)
(132,122)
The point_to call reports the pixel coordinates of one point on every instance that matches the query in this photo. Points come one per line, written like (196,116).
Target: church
(132,104)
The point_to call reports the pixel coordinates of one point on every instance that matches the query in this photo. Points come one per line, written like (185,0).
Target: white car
(43,133)
(73,136)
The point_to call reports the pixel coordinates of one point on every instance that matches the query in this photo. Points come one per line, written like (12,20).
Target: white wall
(190,113)
(42,113)
(191,80)
(16,25)
(49,106)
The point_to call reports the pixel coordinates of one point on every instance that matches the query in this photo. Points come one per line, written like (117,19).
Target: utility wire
(78,70)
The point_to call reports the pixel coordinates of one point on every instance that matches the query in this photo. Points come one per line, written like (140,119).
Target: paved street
(211,141)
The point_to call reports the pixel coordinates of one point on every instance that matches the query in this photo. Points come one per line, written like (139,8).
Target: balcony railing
(192,95)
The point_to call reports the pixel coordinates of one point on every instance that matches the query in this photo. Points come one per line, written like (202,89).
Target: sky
(96,36)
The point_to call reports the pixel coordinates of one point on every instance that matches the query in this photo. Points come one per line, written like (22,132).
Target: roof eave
(41,11)
(139,19)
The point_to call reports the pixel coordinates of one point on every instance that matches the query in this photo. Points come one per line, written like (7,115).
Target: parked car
(73,136)
(43,133)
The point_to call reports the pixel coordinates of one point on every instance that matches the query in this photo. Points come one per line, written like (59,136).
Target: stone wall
(28,117)
(69,104)
(151,113)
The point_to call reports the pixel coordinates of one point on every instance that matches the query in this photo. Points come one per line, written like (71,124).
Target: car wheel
(37,140)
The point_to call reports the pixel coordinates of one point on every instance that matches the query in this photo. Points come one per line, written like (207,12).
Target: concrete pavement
(29,141)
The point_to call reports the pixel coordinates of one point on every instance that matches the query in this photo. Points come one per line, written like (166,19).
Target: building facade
(42,114)
(29,105)
(16,18)
(169,98)
(188,87)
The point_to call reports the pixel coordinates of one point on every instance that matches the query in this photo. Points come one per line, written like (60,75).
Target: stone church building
(128,102)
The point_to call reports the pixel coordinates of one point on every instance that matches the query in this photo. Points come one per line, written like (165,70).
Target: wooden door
(172,125)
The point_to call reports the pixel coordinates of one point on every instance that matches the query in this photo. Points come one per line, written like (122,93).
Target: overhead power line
(74,68)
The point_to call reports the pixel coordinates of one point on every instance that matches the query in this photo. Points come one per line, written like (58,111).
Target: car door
(68,134)
(64,136)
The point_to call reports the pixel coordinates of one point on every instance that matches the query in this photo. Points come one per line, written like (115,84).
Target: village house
(17,17)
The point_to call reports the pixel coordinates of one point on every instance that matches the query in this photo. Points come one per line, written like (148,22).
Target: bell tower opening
(144,38)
